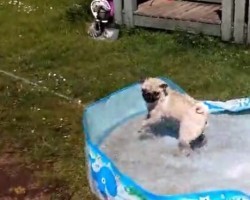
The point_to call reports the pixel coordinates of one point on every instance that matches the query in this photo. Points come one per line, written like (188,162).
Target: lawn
(41,133)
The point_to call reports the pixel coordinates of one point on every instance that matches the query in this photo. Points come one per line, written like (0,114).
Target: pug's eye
(156,93)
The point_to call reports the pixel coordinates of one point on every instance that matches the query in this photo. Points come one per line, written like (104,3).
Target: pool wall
(101,117)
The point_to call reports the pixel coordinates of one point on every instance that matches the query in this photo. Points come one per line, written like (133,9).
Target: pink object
(111,3)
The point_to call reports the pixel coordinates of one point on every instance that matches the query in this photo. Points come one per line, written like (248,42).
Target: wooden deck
(228,19)
(194,17)
(181,10)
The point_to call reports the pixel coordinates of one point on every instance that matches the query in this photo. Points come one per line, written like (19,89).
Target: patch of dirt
(18,182)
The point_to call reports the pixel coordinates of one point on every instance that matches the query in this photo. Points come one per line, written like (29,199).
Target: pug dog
(166,103)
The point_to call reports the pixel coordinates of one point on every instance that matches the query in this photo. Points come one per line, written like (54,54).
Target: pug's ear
(163,86)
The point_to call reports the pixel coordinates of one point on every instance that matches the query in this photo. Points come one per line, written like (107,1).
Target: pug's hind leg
(199,142)
(184,147)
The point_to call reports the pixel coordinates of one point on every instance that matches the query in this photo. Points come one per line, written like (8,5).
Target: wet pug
(166,103)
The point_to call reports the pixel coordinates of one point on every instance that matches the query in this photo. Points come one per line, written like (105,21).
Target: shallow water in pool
(223,163)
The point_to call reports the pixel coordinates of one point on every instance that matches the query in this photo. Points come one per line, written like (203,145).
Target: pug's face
(153,89)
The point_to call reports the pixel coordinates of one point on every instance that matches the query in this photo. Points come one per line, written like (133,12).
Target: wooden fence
(233,25)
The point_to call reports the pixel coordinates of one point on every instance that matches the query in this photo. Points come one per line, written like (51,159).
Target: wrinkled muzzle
(150,97)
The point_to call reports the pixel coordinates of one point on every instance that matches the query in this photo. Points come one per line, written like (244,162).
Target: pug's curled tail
(200,109)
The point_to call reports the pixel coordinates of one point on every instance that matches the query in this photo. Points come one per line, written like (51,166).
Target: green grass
(44,42)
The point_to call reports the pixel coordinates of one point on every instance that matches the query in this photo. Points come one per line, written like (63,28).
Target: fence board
(239,21)
(118,11)
(129,7)
(227,19)
(248,31)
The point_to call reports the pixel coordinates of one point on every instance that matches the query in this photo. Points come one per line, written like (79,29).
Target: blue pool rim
(101,190)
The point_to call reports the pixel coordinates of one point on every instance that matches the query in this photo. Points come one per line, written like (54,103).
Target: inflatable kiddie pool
(123,167)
